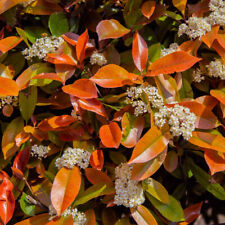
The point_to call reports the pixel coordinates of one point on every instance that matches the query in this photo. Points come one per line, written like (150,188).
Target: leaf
(34,32)
(219,94)
(66,187)
(8,87)
(167,210)
(139,52)
(171,161)
(27,207)
(110,135)
(63,220)
(35,220)
(55,58)
(154,52)
(150,145)
(7,4)
(82,88)
(215,161)
(97,159)
(132,128)
(207,140)
(112,76)
(9,43)
(142,216)
(110,29)
(148,8)
(204,179)
(92,192)
(80,46)
(192,212)
(51,76)
(210,36)
(58,24)
(123,221)
(142,171)
(8,140)
(90,216)
(175,62)
(156,189)
(180,4)
(28,98)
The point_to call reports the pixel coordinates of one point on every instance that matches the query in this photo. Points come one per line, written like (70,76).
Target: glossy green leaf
(27,207)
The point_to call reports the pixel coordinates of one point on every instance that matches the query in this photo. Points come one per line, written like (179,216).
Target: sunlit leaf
(219,94)
(180,4)
(8,87)
(35,220)
(97,159)
(81,45)
(148,8)
(8,43)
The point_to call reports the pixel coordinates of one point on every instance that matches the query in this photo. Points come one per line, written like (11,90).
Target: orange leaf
(35,220)
(142,216)
(93,105)
(219,94)
(207,100)
(209,37)
(112,76)
(142,171)
(8,87)
(97,159)
(215,161)
(219,48)
(8,43)
(63,220)
(175,62)
(82,88)
(192,212)
(60,59)
(52,76)
(180,4)
(80,46)
(150,145)
(65,188)
(110,135)
(110,29)
(90,216)
(207,140)
(148,8)
(7,4)
(139,52)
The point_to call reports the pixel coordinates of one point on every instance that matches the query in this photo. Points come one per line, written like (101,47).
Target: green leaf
(171,211)
(92,192)
(58,24)
(204,179)
(123,221)
(34,32)
(186,89)
(27,102)
(22,34)
(117,157)
(156,189)
(27,207)
(154,52)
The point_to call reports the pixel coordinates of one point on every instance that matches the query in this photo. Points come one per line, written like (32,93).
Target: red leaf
(175,62)
(8,87)
(112,76)
(80,46)
(8,43)
(148,8)
(192,212)
(60,59)
(171,161)
(215,161)
(209,37)
(110,29)
(82,88)
(90,215)
(52,76)
(139,52)
(65,188)
(97,159)
(110,135)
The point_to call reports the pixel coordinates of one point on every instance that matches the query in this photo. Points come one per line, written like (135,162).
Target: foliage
(96,96)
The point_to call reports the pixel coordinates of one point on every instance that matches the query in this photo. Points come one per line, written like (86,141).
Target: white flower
(217,17)
(79,218)
(39,151)
(128,192)
(42,46)
(98,58)
(197,75)
(195,27)
(8,100)
(172,48)
(214,5)
(216,69)
(72,157)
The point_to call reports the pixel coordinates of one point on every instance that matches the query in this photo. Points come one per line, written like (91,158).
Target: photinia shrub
(112,112)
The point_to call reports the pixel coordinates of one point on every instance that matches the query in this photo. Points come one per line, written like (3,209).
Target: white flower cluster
(72,157)
(172,48)
(216,69)
(74,114)
(79,218)
(180,119)
(197,75)
(42,46)
(98,58)
(217,16)
(128,192)
(39,151)
(136,93)
(195,27)
(8,100)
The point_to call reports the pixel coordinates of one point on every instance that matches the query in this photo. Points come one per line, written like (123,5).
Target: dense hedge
(112,111)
